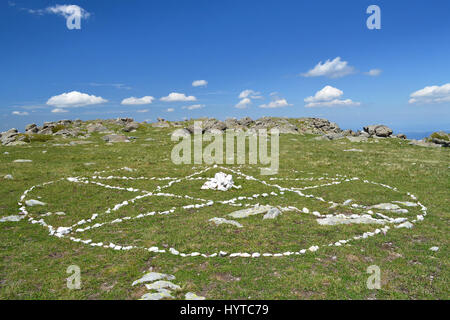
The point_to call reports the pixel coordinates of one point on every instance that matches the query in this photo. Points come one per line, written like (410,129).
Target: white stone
(434,249)
(153,276)
(193,296)
(32,203)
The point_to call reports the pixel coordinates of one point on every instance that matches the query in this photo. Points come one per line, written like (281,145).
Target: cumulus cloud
(326,94)
(137,101)
(278,103)
(329,97)
(20,113)
(331,68)
(200,83)
(194,107)
(74,99)
(59,110)
(175,96)
(250,94)
(244,103)
(68,11)
(246,97)
(373,72)
(431,95)
(170,110)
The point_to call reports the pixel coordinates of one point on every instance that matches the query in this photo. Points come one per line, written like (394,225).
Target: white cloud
(250,94)
(74,99)
(175,96)
(59,110)
(200,83)
(333,103)
(244,103)
(431,94)
(137,101)
(143,111)
(326,94)
(331,68)
(194,107)
(373,72)
(68,10)
(279,103)
(329,97)
(170,110)
(20,113)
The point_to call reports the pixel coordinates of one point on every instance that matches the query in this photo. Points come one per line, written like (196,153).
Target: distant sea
(418,134)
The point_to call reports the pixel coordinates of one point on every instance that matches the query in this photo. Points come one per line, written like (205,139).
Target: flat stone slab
(244,213)
(335,220)
(273,213)
(11,218)
(219,221)
(193,296)
(162,284)
(153,276)
(156,296)
(385,206)
(32,203)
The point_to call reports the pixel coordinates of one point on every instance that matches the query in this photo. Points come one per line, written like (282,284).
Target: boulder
(31,128)
(131,126)
(246,121)
(441,138)
(181,133)
(96,127)
(378,130)
(46,131)
(9,136)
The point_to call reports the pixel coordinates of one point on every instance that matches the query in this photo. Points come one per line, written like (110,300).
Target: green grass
(33,264)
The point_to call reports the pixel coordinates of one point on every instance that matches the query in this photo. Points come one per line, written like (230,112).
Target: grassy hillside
(33,264)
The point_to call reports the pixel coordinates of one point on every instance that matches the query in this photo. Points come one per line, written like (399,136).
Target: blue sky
(154,48)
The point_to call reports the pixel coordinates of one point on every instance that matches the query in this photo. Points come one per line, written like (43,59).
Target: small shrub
(57,128)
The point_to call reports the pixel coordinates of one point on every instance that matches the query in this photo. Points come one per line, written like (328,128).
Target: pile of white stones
(221,182)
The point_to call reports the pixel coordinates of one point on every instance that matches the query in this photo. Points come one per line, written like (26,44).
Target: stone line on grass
(65,232)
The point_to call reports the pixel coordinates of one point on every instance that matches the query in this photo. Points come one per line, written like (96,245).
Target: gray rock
(193,296)
(46,131)
(162,284)
(32,203)
(219,221)
(96,127)
(249,212)
(378,130)
(357,139)
(113,138)
(131,126)
(11,218)
(385,206)
(156,296)
(272,213)
(153,276)
(336,220)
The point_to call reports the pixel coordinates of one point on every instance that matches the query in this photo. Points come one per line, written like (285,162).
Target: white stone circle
(72,232)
